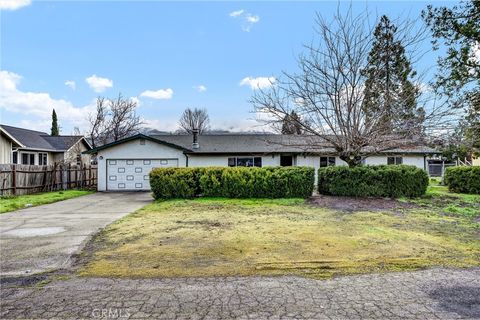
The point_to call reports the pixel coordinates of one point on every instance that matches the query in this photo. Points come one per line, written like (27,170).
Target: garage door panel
(133,174)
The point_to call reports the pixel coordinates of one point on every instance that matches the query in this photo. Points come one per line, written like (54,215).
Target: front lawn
(11,203)
(224,237)
(439,199)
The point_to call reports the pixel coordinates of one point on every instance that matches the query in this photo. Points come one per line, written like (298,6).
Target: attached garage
(125,165)
(132,174)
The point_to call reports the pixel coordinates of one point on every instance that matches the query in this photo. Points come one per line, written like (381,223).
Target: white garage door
(132,174)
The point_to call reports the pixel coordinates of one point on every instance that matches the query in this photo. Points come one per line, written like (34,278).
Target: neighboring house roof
(15,142)
(37,140)
(251,143)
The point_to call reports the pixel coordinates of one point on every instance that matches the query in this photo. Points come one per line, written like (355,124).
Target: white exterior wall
(134,150)
(5,150)
(412,160)
(222,160)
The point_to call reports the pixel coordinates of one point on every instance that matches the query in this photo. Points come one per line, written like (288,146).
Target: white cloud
(136,100)
(237,13)
(200,88)
(99,84)
(39,105)
(248,19)
(13,4)
(161,94)
(161,125)
(71,84)
(258,83)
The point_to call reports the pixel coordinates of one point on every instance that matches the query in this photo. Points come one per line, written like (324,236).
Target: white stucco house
(30,147)
(125,164)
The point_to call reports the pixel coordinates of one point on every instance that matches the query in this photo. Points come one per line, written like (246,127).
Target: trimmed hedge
(239,182)
(373,181)
(463,179)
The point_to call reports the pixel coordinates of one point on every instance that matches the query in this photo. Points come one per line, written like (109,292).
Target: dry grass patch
(218,237)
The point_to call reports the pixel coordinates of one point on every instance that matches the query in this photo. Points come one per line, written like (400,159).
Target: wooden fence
(17,179)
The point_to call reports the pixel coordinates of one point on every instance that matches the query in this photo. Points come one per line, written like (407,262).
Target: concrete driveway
(44,238)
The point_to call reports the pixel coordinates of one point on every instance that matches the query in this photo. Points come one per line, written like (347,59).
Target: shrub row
(373,181)
(463,179)
(268,182)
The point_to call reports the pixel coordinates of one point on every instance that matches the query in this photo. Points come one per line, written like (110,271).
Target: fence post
(76,177)
(60,169)
(84,176)
(14,179)
(69,178)
(90,175)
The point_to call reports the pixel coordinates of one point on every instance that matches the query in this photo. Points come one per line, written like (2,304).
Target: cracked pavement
(426,294)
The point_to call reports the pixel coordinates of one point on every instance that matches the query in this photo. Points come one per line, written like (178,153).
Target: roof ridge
(6,125)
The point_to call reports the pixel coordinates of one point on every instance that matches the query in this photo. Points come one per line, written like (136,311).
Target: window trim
(257,161)
(395,160)
(40,159)
(30,156)
(328,160)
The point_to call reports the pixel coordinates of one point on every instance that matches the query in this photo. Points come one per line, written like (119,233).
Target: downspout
(186,162)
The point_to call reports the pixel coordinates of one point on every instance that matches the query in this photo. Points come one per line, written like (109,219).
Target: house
(125,164)
(24,146)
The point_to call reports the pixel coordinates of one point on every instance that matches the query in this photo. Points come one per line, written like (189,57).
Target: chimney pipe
(195,144)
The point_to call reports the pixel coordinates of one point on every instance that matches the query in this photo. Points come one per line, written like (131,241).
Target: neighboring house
(125,164)
(23,146)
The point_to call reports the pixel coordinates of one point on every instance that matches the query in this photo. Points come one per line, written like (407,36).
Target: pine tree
(291,124)
(389,91)
(55,131)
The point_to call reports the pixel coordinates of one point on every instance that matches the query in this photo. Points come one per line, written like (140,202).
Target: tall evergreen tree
(291,124)
(55,130)
(390,93)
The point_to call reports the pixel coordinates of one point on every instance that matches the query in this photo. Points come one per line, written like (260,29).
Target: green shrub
(373,181)
(169,183)
(239,182)
(463,179)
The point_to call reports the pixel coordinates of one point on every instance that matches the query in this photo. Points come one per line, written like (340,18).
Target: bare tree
(113,120)
(123,120)
(327,93)
(97,122)
(194,119)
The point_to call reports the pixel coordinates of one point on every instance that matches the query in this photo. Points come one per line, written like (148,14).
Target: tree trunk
(351,160)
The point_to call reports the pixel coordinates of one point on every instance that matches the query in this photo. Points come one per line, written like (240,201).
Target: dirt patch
(351,204)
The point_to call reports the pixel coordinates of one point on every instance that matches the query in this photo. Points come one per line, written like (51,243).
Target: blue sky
(167,55)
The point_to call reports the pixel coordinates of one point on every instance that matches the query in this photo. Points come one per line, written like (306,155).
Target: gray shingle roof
(265,143)
(41,140)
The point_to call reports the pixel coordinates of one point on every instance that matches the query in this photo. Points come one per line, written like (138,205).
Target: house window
(42,159)
(79,159)
(28,158)
(286,161)
(15,157)
(394,160)
(245,162)
(327,162)
(142,142)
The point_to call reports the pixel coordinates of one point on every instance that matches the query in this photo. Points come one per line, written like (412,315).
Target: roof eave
(134,137)
(5,132)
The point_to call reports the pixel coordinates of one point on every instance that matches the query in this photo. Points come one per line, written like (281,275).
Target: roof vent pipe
(195,144)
